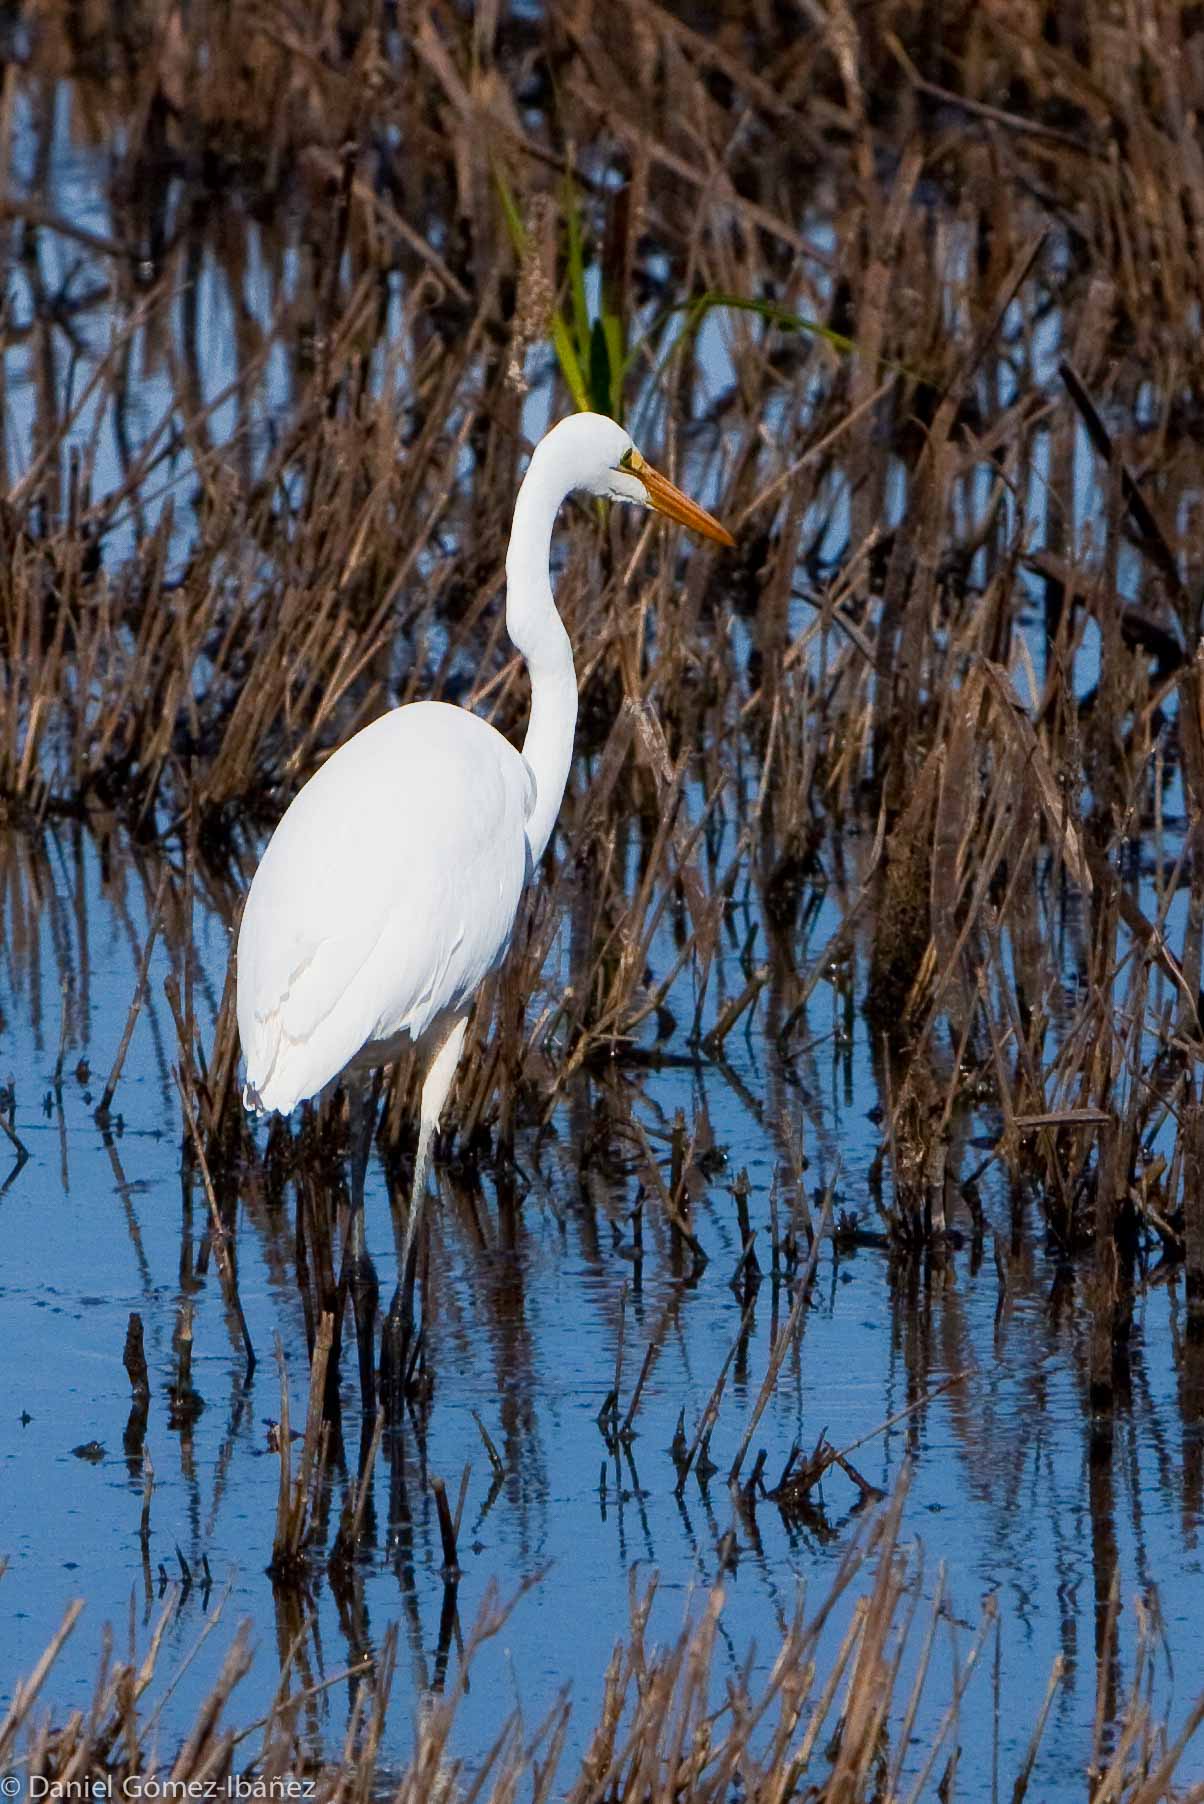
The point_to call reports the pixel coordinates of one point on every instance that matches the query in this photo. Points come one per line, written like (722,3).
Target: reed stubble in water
(967,721)
(826,1730)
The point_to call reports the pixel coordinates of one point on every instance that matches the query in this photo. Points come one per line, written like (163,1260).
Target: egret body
(389,890)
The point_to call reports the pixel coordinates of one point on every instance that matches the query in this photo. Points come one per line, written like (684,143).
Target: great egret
(390,888)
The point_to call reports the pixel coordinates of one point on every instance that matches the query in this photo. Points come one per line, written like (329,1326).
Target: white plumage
(390,888)
(387,894)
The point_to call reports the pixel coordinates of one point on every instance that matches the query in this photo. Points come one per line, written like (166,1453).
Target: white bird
(389,890)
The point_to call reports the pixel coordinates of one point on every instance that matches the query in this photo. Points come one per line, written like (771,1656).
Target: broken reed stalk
(710,1414)
(352,1520)
(296,1496)
(496,1462)
(134,1360)
(186,1401)
(1056,1676)
(607,1417)
(625,1432)
(796,1482)
(785,1339)
(219,1238)
(712,1040)
(448,1528)
(110,1089)
(1193,1215)
(668,1203)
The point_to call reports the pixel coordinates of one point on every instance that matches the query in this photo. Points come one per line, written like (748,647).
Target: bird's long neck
(537,631)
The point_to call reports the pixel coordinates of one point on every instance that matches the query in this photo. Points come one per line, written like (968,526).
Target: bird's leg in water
(362,1096)
(397,1335)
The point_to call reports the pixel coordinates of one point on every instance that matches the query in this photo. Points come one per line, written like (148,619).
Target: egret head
(594,453)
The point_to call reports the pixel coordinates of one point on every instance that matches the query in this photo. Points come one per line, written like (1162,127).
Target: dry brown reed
(298,1501)
(861,1699)
(950,686)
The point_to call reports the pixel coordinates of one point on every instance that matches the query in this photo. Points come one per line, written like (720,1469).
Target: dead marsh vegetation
(823,1729)
(265,399)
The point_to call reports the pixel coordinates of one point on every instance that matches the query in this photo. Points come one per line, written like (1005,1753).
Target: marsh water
(1004,1491)
(963,1368)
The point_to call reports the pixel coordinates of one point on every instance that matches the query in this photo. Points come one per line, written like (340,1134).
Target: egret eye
(631,460)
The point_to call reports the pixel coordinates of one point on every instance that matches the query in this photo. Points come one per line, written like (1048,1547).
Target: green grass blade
(697,309)
(514,224)
(777,316)
(616,357)
(570,363)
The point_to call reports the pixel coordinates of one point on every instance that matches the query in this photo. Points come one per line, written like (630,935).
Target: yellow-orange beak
(668,500)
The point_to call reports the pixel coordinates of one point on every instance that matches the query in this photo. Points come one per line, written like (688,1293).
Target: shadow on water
(840,1097)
